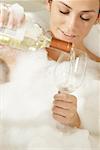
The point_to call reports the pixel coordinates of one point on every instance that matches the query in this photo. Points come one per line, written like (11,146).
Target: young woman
(70,21)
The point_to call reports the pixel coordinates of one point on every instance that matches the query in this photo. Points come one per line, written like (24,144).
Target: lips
(69,36)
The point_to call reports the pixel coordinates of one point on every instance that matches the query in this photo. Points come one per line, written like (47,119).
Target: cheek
(55,22)
(87,28)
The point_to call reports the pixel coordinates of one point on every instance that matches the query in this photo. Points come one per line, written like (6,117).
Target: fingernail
(1,24)
(18,25)
(10,26)
(1,46)
(59,92)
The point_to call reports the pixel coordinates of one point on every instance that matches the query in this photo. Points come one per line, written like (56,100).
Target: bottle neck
(56,47)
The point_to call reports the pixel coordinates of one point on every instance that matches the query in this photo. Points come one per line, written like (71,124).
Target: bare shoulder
(91,55)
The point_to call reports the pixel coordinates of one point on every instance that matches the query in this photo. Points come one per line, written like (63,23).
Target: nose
(72,24)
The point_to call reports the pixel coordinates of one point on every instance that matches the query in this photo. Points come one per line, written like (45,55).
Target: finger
(65,105)
(1,46)
(68,113)
(3,15)
(10,23)
(17,15)
(66,97)
(21,21)
(59,111)
(60,119)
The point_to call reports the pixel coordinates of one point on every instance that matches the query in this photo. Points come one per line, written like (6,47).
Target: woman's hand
(11,16)
(65,109)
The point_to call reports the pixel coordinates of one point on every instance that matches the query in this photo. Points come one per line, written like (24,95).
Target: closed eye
(65,13)
(85,19)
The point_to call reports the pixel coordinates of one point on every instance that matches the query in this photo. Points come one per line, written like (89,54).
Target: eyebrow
(92,10)
(89,11)
(65,4)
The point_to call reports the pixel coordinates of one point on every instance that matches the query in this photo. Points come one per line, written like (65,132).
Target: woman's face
(71,20)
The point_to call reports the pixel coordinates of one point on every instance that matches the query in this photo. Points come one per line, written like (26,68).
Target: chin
(70,40)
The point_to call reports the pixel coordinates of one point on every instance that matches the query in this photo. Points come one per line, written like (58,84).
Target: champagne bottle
(21,40)
(30,37)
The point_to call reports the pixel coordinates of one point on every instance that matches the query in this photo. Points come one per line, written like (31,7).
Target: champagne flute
(69,73)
